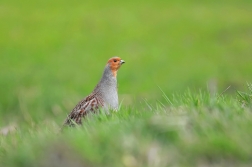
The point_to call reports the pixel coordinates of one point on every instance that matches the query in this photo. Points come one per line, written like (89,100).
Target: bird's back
(89,104)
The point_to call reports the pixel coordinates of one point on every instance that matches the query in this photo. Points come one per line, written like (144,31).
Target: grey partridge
(104,96)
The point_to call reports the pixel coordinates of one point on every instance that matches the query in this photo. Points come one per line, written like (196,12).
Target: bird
(103,97)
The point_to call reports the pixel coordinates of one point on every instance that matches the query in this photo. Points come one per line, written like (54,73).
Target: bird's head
(115,63)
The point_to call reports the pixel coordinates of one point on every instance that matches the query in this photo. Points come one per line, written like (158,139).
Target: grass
(196,130)
(246,98)
(52,54)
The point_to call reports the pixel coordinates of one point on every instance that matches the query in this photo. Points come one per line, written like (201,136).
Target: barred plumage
(104,95)
(90,104)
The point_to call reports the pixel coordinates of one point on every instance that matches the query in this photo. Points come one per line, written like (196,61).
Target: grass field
(52,54)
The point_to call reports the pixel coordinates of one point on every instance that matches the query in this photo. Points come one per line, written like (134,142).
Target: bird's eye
(115,60)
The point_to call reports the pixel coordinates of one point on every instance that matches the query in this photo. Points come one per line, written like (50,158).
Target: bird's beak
(122,61)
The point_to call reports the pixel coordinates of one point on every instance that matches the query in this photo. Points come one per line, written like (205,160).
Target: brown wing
(90,103)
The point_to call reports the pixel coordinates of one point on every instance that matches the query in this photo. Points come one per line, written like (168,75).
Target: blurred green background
(52,53)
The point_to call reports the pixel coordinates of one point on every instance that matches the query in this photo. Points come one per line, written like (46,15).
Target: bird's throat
(114,72)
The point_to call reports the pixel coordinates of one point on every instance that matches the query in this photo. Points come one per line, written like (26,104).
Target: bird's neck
(107,89)
(108,80)
(109,76)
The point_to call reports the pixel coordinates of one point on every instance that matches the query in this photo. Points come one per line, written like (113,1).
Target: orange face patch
(115,64)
